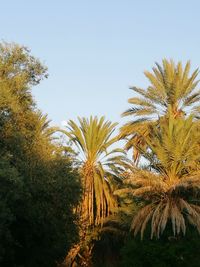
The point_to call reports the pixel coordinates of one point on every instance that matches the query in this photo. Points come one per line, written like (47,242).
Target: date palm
(93,138)
(98,162)
(170,191)
(171,86)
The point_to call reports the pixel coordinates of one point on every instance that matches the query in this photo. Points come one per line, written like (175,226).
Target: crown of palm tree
(93,138)
(171,86)
(170,191)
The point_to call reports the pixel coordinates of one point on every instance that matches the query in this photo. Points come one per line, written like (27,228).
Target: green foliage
(111,238)
(10,192)
(39,188)
(18,71)
(39,225)
(167,252)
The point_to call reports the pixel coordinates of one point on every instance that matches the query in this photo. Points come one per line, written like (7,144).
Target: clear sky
(96,49)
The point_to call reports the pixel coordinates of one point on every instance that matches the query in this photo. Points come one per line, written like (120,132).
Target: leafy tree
(39,186)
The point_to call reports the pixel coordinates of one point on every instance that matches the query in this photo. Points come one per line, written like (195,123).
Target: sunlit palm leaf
(171,87)
(171,191)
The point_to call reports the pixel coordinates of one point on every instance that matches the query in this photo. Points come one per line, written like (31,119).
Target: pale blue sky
(96,49)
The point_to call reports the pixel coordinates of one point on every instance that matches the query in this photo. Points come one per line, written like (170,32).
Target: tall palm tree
(93,138)
(98,161)
(170,191)
(171,86)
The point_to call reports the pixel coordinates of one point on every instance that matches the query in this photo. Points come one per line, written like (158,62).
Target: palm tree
(171,86)
(170,191)
(93,138)
(43,136)
(99,163)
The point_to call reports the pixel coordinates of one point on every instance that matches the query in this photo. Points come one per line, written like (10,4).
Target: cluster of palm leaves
(164,134)
(170,191)
(98,162)
(171,86)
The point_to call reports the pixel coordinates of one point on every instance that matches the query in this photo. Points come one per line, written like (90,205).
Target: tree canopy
(39,187)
